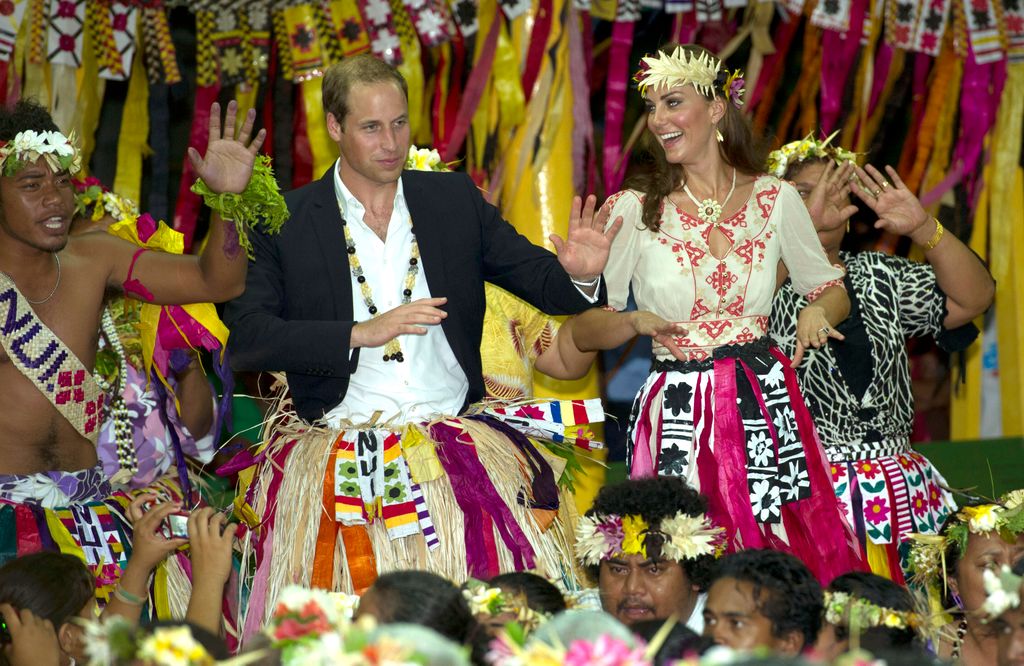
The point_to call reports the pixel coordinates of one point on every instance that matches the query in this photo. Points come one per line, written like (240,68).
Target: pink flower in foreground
(605,651)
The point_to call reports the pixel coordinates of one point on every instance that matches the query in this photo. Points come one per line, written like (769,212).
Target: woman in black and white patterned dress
(859,389)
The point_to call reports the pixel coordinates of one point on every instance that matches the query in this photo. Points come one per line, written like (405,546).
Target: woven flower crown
(27,146)
(859,614)
(807,148)
(679,537)
(927,558)
(699,68)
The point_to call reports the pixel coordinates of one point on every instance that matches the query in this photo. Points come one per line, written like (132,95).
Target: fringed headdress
(679,537)
(807,148)
(698,68)
(61,152)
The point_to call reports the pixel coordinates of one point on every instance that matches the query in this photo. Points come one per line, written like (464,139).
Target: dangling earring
(847,226)
(956,599)
(718,135)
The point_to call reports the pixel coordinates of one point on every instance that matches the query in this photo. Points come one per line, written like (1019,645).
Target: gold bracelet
(939,230)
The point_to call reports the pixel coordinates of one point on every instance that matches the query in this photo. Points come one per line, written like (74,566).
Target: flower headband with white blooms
(27,146)
(701,69)
(679,537)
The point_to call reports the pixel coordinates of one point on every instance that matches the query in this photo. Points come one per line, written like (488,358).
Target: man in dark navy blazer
(371,298)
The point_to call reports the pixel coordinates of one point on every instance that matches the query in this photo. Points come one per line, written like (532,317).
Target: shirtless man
(65,281)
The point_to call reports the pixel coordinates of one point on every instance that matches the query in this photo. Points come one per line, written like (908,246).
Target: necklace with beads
(961,631)
(393,348)
(127,459)
(709,210)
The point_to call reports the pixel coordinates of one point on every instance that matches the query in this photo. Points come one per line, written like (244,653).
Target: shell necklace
(709,210)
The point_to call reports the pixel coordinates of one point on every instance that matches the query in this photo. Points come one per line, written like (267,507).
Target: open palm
(898,210)
(584,252)
(829,203)
(227,164)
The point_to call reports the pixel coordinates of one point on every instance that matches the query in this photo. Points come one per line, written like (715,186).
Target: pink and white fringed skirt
(736,428)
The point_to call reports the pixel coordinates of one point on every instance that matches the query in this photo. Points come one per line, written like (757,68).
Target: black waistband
(747,350)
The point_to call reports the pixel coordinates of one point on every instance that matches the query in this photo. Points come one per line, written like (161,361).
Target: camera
(176,526)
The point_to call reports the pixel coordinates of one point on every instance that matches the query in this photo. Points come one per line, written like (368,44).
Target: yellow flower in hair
(983,518)
(634,528)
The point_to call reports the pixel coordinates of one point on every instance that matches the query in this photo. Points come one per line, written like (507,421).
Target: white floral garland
(27,146)
(600,537)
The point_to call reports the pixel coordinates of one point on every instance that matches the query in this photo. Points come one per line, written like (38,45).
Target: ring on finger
(824,329)
(876,192)
(885,184)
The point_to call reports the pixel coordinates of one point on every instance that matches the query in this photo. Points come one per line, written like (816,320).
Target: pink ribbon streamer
(475,494)
(838,53)
(472,93)
(730,458)
(642,466)
(835,549)
(615,104)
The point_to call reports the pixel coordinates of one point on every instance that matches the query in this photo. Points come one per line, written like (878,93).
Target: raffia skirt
(735,426)
(472,496)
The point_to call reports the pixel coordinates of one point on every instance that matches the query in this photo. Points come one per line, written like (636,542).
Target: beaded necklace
(392,349)
(126,457)
(961,631)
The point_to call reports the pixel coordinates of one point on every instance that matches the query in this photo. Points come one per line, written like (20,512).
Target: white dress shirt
(429,382)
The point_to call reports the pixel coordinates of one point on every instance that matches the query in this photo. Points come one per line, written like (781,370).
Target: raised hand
(227,165)
(898,210)
(829,202)
(659,330)
(812,330)
(584,252)
(408,319)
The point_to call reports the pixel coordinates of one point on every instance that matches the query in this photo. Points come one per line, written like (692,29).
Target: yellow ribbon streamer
(131,145)
(420,456)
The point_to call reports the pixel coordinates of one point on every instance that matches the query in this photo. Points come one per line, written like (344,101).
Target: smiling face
(635,588)
(683,122)
(374,136)
(36,207)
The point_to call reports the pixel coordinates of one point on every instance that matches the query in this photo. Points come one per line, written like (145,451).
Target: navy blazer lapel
(326,221)
(424,217)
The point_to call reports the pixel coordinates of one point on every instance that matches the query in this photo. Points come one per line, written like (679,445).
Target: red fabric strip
(538,45)
(642,465)
(186,212)
(302,152)
(473,91)
(615,104)
(27,530)
(838,53)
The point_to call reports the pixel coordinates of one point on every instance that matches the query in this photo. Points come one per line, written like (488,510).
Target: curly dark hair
(785,590)
(881,592)
(742,149)
(26,114)
(655,499)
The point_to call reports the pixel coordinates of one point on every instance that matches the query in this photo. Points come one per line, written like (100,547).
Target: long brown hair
(740,149)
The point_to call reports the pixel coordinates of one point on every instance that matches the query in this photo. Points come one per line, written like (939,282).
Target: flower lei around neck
(60,151)
(807,148)
(927,558)
(859,614)
(679,537)
(699,68)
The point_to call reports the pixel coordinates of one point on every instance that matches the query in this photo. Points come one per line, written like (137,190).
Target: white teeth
(671,135)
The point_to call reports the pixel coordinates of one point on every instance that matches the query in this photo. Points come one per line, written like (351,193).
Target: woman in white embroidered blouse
(700,245)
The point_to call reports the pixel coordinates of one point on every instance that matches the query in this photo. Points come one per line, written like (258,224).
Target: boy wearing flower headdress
(650,546)
(52,294)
